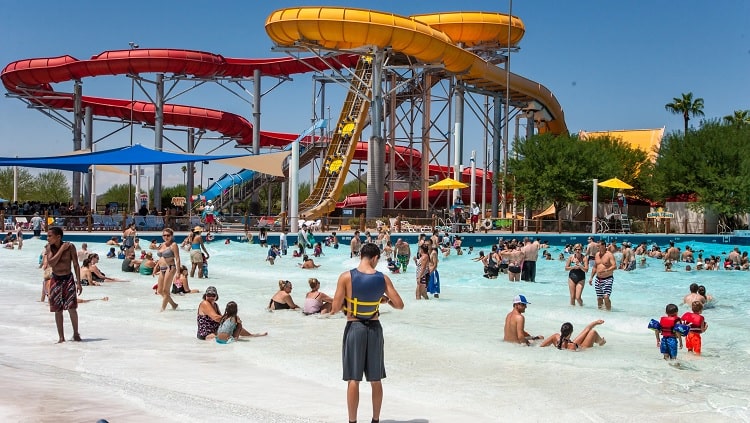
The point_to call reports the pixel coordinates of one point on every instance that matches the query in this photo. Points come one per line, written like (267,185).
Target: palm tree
(686,107)
(740,117)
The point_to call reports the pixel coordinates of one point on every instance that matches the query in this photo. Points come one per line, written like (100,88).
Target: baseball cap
(211,290)
(520,299)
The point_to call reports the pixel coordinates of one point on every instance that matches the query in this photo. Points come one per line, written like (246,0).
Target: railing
(117,222)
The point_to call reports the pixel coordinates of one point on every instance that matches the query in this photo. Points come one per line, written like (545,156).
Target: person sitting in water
(308,263)
(111,253)
(180,283)
(230,326)
(273,253)
(86,277)
(586,339)
(113,241)
(318,250)
(316,301)
(393,266)
(282,299)
(130,263)
(147,265)
(208,317)
(96,274)
(154,245)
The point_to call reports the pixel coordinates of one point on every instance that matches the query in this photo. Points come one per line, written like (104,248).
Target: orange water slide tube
(34,77)
(434,38)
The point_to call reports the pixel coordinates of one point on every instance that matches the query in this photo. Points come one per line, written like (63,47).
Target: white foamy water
(444,358)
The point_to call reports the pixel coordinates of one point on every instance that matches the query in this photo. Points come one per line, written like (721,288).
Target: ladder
(624,223)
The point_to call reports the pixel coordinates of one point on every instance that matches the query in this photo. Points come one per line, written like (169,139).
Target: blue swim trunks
(669,346)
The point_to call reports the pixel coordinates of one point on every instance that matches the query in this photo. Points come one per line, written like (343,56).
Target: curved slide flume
(422,37)
(34,78)
(432,38)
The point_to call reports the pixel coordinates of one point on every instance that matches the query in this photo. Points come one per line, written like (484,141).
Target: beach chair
(109,223)
(9,224)
(140,223)
(408,227)
(97,222)
(317,225)
(22,222)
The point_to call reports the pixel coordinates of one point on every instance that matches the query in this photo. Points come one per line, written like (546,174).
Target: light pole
(205,162)
(133,46)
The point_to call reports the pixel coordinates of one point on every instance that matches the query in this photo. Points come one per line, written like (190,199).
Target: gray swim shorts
(362,351)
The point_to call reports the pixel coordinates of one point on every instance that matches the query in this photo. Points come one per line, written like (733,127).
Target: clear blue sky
(612,65)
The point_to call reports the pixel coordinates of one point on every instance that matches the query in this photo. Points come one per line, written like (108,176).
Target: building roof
(648,140)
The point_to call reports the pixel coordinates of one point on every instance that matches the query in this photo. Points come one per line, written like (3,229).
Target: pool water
(445,355)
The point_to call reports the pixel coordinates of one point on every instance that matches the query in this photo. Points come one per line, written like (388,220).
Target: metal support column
(77,135)
(376,147)
(190,179)
(458,136)
(426,123)
(89,195)
(158,139)
(495,153)
(256,120)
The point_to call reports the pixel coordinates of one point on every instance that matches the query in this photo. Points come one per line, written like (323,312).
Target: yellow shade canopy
(448,183)
(615,183)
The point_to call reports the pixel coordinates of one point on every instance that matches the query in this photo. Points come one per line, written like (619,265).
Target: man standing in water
(364,289)
(603,276)
(530,255)
(515,322)
(63,286)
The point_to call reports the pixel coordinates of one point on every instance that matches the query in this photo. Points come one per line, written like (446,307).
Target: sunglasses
(166,235)
(210,295)
(577,249)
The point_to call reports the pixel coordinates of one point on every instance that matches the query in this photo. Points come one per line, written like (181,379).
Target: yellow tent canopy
(549,211)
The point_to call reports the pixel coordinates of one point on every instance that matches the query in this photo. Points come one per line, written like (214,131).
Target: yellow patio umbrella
(615,183)
(447,184)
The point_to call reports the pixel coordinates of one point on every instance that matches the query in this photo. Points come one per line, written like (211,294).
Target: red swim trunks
(62,293)
(693,342)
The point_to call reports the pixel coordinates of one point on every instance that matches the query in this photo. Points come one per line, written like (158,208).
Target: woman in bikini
(168,263)
(282,299)
(586,339)
(316,301)
(86,276)
(577,267)
(97,275)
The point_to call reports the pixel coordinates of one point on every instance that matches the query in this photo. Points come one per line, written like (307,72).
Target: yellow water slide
(439,38)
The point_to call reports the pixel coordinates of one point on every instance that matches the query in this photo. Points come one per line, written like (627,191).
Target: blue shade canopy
(131,155)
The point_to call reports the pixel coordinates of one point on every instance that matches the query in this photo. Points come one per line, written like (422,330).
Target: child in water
(697,324)
(669,337)
(230,326)
(205,266)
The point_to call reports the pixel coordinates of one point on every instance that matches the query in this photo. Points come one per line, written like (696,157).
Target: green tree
(25,184)
(560,169)
(117,193)
(709,164)
(686,107)
(740,117)
(52,186)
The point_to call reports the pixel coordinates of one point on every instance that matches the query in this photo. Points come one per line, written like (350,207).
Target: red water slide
(34,78)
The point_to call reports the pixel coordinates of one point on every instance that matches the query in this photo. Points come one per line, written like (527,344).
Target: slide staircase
(353,119)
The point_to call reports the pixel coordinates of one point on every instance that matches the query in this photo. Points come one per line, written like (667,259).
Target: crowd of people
(596,262)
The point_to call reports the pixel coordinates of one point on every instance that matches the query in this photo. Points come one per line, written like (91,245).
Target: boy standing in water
(669,337)
(697,325)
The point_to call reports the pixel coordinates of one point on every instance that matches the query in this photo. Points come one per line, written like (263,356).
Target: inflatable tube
(487,224)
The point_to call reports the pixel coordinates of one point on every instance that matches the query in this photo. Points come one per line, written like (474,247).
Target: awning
(550,211)
(140,155)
